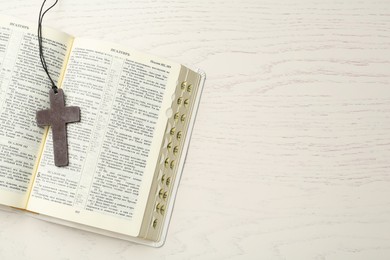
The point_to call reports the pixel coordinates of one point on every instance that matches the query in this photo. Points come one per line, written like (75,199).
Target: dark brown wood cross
(57,117)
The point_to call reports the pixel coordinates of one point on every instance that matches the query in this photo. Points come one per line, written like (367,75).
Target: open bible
(126,154)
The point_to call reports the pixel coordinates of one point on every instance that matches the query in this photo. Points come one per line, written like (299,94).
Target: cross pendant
(57,117)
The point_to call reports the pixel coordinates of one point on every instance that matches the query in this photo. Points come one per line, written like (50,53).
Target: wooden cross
(57,117)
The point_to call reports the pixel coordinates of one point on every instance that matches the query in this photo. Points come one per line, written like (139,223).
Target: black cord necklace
(58,115)
(41,56)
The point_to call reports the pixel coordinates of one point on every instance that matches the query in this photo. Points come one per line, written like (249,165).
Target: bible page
(124,97)
(24,89)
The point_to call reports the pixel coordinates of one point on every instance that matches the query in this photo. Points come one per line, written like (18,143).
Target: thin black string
(43,61)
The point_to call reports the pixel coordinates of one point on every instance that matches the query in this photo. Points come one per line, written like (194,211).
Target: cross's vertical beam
(58,126)
(60,145)
(57,117)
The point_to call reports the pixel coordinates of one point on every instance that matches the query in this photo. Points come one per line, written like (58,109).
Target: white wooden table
(290,155)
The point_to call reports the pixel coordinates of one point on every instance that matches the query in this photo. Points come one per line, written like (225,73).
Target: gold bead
(161,193)
(166,162)
(183,84)
(178,136)
(154,224)
(176,116)
(175,150)
(162,210)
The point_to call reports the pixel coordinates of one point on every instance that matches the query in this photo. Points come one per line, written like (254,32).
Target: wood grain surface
(290,155)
